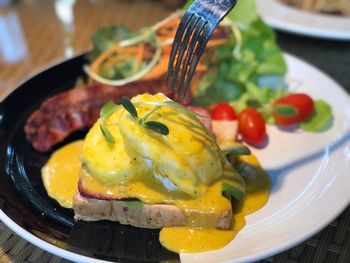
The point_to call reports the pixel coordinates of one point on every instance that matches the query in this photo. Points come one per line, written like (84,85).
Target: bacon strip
(78,108)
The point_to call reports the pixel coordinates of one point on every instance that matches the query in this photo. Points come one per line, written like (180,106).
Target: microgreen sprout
(152,125)
(105,112)
(106,133)
(127,104)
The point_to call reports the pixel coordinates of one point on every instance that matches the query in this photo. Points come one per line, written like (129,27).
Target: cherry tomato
(252,125)
(223,111)
(301,102)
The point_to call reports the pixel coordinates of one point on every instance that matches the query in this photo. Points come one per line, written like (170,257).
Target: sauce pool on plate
(61,173)
(61,176)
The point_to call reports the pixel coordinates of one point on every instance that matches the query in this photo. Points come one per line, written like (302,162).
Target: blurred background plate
(293,20)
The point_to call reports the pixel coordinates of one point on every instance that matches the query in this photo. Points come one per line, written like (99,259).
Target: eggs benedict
(147,179)
(151,163)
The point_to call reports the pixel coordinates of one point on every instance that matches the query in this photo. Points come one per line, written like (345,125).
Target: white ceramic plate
(310,181)
(286,18)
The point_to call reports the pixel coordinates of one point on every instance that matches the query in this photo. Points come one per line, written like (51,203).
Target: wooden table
(37,33)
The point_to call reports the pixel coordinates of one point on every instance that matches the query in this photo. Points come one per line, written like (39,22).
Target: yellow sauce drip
(187,240)
(61,173)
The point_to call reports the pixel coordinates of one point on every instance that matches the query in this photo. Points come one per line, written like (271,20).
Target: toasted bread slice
(147,216)
(96,205)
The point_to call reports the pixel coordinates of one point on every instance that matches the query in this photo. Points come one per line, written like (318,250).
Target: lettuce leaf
(241,79)
(244,12)
(320,120)
(106,37)
(251,79)
(213,89)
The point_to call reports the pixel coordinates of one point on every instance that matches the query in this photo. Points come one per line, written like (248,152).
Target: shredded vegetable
(141,56)
(124,81)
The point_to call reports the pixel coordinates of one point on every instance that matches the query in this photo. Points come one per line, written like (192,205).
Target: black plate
(23,197)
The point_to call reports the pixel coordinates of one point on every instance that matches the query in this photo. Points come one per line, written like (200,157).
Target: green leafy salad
(249,69)
(242,78)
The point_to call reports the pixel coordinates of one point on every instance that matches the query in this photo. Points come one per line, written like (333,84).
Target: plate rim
(64,253)
(288,245)
(58,61)
(304,30)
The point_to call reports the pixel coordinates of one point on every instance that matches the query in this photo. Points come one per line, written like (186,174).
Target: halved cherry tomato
(252,125)
(223,111)
(303,103)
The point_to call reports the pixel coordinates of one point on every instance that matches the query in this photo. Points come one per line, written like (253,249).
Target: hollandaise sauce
(189,240)
(61,175)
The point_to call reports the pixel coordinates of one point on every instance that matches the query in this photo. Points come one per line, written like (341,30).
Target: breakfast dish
(179,179)
(296,175)
(290,19)
(153,163)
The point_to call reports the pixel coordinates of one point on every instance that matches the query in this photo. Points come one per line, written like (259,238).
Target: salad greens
(253,74)
(106,37)
(248,70)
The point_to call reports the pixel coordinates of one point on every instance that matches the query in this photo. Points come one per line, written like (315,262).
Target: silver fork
(192,35)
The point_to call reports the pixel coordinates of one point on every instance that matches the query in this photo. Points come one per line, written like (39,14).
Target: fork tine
(176,43)
(194,37)
(185,38)
(184,48)
(202,42)
(198,30)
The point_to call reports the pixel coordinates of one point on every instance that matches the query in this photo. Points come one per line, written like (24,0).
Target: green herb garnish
(152,125)
(285,110)
(144,117)
(107,110)
(236,150)
(133,204)
(232,191)
(127,104)
(106,133)
(157,126)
